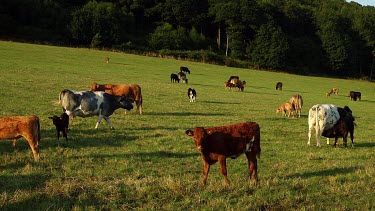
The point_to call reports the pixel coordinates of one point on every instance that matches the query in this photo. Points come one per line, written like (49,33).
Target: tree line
(331,37)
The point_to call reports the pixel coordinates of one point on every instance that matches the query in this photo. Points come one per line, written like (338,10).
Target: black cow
(342,127)
(354,95)
(279,86)
(92,103)
(62,125)
(174,78)
(192,94)
(184,69)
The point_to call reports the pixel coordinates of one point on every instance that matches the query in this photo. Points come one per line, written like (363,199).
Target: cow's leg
(58,134)
(345,139)
(317,135)
(335,144)
(309,135)
(139,107)
(65,133)
(14,143)
(99,120)
(34,147)
(223,168)
(206,169)
(352,137)
(327,141)
(108,120)
(253,166)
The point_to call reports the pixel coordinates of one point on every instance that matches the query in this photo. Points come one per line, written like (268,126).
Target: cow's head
(94,87)
(125,103)
(199,135)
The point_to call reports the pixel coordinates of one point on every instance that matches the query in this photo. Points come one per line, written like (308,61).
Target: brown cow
(286,107)
(297,103)
(219,143)
(228,85)
(335,91)
(131,91)
(17,127)
(328,94)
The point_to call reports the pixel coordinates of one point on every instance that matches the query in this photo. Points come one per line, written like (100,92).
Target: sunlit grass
(148,162)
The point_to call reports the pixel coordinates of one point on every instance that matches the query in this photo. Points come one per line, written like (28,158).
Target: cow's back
(325,115)
(239,130)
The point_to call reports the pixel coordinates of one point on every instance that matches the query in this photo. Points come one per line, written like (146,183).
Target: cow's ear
(189,133)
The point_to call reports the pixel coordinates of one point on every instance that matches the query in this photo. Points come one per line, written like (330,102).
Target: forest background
(312,37)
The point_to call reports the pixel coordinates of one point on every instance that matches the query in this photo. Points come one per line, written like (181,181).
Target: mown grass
(148,163)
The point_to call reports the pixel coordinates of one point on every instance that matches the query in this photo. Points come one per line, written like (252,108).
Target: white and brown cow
(16,127)
(216,144)
(322,117)
(89,103)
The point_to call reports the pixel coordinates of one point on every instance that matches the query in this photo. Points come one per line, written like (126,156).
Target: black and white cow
(174,78)
(322,117)
(343,127)
(192,94)
(92,103)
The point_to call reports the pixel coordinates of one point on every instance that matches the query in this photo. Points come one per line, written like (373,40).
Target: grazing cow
(240,86)
(218,143)
(286,107)
(322,117)
(107,59)
(192,94)
(297,102)
(355,95)
(279,86)
(182,77)
(328,94)
(16,127)
(133,92)
(91,103)
(343,126)
(228,85)
(234,81)
(184,69)
(335,91)
(62,125)
(174,78)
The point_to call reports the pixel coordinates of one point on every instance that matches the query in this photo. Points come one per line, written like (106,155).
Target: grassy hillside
(148,162)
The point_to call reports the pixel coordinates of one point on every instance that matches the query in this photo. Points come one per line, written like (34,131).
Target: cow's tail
(316,119)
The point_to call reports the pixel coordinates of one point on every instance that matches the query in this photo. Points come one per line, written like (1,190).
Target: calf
(279,86)
(174,78)
(297,102)
(343,126)
(240,86)
(184,69)
(107,60)
(322,117)
(89,103)
(328,94)
(228,85)
(218,143)
(62,125)
(355,95)
(17,127)
(334,91)
(192,94)
(286,107)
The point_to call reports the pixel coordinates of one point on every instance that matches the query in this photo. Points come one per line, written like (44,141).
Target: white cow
(322,117)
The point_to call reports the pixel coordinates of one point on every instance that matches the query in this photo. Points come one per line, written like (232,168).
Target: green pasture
(149,163)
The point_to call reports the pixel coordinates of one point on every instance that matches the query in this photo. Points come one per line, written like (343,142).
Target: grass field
(149,163)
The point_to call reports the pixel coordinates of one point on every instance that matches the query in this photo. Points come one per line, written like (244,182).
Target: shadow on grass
(16,182)
(328,172)
(154,154)
(184,114)
(218,102)
(366,144)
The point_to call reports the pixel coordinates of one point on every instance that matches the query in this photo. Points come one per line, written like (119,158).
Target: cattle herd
(215,144)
